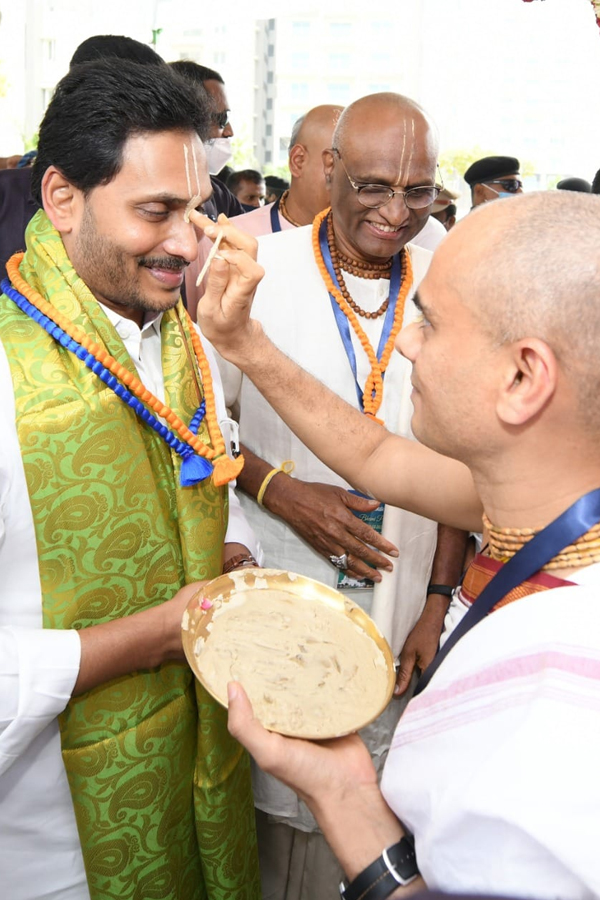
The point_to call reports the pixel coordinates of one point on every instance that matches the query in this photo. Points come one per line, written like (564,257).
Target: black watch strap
(444,589)
(396,866)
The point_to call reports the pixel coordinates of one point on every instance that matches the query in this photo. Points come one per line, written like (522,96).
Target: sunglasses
(221,119)
(511,185)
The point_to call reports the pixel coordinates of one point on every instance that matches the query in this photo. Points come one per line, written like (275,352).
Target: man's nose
(408,341)
(396,212)
(182,240)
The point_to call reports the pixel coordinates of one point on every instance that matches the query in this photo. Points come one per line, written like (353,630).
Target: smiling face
(381,143)
(128,240)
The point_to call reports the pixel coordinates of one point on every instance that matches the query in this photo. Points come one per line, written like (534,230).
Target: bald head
(317,126)
(311,135)
(530,267)
(403,116)
(385,140)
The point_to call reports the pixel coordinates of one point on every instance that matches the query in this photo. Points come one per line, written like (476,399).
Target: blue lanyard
(342,321)
(274,213)
(564,530)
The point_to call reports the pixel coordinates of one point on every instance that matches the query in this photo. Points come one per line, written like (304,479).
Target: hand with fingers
(324,516)
(421,644)
(309,768)
(233,275)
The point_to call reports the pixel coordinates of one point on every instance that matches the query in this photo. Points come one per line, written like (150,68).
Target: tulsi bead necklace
(198,460)
(373,391)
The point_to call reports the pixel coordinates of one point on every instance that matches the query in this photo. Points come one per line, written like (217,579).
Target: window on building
(268,156)
(49,49)
(300,29)
(339,62)
(340,29)
(268,130)
(269,103)
(299,92)
(269,78)
(300,61)
(338,93)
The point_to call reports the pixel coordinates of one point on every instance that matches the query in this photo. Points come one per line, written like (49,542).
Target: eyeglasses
(512,185)
(221,119)
(373,196)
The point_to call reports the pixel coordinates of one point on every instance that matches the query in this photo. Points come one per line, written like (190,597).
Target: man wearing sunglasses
(382,178)
(493,178)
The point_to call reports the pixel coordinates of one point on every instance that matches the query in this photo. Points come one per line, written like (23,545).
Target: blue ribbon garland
(533,556)
(194,468)
(342,321)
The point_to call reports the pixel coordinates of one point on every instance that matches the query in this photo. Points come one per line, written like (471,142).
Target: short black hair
(107,46)
(243,175)
(99,105)
(193,71)
(596,183)
(276,183)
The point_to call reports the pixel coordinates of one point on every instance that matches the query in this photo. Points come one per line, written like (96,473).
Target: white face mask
(218,154)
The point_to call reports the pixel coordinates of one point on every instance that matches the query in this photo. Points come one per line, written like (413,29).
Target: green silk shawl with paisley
(161,792)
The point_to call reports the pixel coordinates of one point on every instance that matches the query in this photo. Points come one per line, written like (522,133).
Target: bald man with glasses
(334,295)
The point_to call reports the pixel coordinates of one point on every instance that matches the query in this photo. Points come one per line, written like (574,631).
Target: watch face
(313,664)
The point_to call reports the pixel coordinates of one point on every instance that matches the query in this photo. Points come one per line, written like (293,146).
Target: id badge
(374,518)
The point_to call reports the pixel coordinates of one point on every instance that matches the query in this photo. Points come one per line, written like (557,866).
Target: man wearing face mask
(218,146)
(493,178)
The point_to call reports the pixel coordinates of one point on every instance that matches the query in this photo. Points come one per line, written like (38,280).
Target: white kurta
(295,310)
(39,846)
(494,767)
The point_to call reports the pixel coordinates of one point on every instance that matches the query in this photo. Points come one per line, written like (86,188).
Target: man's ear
(62,201)
(297,158)
(530,380)
(478,194)
(328,163)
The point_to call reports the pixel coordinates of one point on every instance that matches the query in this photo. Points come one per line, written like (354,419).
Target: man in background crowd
(493,177)
(248,186)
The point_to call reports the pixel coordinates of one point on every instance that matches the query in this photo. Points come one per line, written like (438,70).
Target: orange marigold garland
(373,390)
(225,469)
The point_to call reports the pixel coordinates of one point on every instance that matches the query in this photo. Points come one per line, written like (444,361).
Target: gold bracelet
(286,467)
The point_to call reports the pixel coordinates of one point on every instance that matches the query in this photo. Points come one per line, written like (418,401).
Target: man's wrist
(396,867)
(357,823)
(239,561)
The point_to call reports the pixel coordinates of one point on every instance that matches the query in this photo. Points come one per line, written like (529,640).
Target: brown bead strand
(355,267)
(284,212)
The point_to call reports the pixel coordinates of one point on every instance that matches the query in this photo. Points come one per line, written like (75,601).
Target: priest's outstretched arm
(397,471)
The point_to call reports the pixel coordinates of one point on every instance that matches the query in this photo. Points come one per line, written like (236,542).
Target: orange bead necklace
(373,390)
(224,468)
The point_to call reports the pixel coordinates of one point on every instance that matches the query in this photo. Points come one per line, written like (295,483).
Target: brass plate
(257,583)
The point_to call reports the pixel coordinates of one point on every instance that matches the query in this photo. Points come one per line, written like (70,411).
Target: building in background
(505,77)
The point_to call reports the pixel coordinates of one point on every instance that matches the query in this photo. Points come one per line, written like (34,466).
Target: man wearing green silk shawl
(118,778)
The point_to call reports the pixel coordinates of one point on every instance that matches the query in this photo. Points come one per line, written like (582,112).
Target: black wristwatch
(397,866)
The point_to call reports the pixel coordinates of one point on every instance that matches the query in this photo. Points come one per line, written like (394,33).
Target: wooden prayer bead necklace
(336,261)
(505,542)
(373,391)
(283,209)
